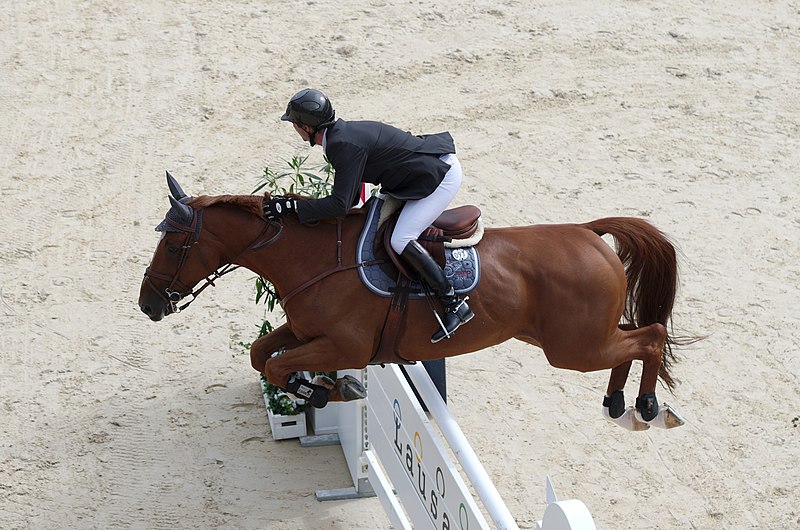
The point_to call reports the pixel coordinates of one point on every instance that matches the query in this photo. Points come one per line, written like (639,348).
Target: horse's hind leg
(619,374)
(614,408)
(628,344)
(614,401)
(647,345)
(647,408)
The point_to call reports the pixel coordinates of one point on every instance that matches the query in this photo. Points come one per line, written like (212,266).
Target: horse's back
(548,285)
(546,269)
(549,248)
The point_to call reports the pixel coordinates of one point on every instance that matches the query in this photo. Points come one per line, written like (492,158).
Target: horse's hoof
(628,420)
(668,418)
(351,388)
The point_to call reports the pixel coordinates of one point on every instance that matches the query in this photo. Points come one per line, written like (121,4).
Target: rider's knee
(399,242)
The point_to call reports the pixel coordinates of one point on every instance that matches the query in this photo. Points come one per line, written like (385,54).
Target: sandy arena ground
(685,114)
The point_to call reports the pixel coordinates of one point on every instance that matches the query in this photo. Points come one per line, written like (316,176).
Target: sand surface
(685,114)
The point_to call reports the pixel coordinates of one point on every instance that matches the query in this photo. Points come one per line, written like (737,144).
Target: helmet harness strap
(321,126)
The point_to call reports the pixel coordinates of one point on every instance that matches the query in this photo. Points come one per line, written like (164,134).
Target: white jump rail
(419,474)
(393,451)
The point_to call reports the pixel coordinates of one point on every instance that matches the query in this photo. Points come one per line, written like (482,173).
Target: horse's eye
(172,249)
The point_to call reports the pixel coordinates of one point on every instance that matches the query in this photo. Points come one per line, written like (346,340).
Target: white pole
(464,453)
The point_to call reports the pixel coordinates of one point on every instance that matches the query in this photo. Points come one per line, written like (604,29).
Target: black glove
(278,207)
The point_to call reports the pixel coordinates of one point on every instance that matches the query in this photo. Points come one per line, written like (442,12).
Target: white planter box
(282,426)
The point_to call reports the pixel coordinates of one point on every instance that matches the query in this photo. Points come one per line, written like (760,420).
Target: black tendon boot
(456,310)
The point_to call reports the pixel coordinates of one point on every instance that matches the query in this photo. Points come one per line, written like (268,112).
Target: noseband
(176,291)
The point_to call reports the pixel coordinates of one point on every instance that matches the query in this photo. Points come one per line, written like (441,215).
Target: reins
(338,268)
(174,296)
(175,291)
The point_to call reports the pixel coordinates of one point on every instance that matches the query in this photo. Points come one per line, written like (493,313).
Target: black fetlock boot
(456,310)
(315,394)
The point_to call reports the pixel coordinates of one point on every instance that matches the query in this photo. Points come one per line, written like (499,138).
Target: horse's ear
(174,187)
(185,212)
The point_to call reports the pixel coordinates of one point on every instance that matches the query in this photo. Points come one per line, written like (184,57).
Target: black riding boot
(456,310)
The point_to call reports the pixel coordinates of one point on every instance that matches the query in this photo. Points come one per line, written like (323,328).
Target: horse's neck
(236,232)
(299,252)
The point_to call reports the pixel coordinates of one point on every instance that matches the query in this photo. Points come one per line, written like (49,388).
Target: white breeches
(417,215)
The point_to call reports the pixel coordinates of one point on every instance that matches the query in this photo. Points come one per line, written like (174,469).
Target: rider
(423,171)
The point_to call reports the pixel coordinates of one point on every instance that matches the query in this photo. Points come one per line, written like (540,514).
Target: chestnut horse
(558,287)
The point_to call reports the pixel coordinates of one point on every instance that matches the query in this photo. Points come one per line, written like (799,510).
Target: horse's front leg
(276,340)
(318,355)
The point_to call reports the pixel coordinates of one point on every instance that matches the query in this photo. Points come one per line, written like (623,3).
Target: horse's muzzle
(153,305)
(155,313)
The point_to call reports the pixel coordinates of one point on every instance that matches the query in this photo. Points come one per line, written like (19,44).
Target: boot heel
(463,311)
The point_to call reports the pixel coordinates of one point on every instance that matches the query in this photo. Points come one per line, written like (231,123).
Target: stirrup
(456,316)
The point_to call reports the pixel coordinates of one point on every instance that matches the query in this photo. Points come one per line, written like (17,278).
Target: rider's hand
(278,207)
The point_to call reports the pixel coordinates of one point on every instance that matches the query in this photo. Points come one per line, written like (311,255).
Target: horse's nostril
(147,310)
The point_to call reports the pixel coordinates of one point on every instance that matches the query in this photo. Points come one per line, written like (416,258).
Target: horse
(559,287)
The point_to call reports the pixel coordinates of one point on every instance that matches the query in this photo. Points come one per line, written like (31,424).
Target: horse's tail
(651,269)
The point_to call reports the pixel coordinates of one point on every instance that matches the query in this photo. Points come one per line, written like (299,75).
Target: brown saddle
(457,223)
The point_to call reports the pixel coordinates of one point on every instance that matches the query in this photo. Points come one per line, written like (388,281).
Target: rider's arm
(348,161)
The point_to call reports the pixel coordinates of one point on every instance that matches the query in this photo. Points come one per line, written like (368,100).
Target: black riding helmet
(310,107)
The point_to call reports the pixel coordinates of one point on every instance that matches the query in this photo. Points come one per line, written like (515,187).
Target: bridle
(176,291)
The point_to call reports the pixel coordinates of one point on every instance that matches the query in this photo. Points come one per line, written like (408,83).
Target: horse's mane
(248,203)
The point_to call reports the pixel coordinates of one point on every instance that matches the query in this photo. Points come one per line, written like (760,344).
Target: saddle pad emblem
(462,265)
(459,254)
